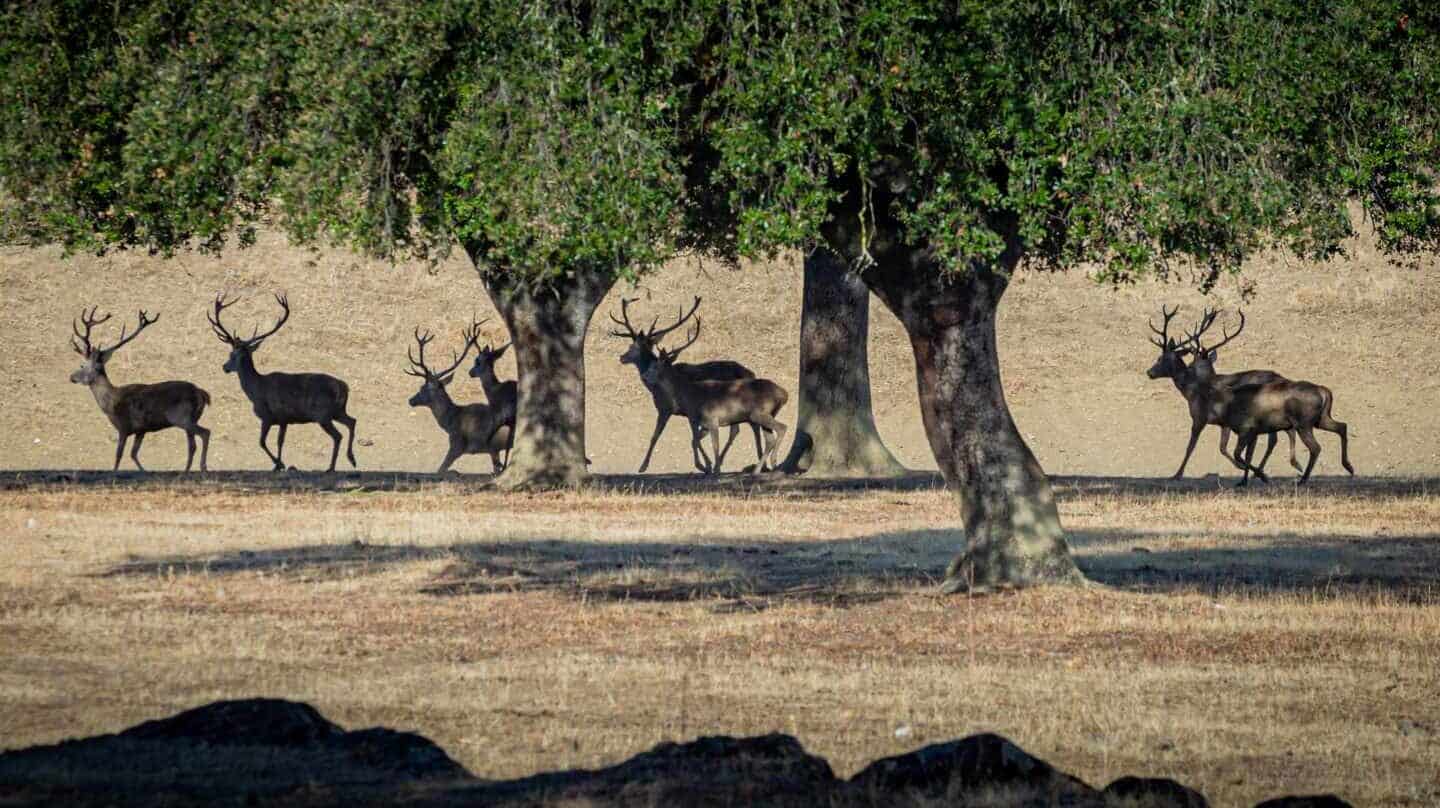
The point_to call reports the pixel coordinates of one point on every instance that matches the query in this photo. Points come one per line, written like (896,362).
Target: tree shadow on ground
(1066,486)
(757,574)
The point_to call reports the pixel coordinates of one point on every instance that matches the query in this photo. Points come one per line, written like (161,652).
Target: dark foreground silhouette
(273,752)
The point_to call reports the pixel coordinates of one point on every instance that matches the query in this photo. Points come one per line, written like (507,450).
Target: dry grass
(1248,645)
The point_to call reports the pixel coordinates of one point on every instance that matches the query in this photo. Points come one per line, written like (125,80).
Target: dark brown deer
(471,427)
(1171,365)
(282,399)
(641,354)
(1255,409)
(502,396)
(139,409)
(711,404)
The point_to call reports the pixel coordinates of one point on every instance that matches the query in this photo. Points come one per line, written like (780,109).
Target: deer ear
(1210,355)
(499,352)
(444,380)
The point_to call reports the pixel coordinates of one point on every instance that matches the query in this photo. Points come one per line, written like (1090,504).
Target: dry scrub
(1246,644)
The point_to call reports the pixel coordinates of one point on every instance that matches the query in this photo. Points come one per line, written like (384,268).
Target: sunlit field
(1246,644)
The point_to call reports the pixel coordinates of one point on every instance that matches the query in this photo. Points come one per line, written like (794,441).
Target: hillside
(1074,356)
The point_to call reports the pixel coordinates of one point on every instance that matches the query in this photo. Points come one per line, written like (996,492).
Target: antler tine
(145,321)
(629,332)
(684,316)
(472,340)
(1164,330)
(284,315)
(1206,321)
(221,304)
(1228,335)
(422,340)
(694,335)
(89,320)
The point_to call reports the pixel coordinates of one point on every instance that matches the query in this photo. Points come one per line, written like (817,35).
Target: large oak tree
(934,148)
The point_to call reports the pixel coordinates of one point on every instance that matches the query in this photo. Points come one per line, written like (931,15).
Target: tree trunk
(835,435)
(548,327)
(1012,525)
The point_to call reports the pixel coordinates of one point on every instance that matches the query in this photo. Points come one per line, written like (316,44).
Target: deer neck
(104,392)
(249,376)
(444,409)
(491,383)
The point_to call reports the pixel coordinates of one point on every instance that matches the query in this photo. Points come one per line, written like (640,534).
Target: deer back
(299,398)
(150,407)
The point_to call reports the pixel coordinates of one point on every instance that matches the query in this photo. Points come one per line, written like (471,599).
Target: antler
(655,335)
(145,321)
(1164,330)
(624,322)
(89,320)
(221,304)
(1205,323)
(694,335)
(284,302)
(422,340)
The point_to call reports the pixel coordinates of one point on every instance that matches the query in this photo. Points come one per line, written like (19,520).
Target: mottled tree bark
(548,326)
(835,434)
(1012,525)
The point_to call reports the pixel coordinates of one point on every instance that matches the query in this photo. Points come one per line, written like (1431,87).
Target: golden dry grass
(1246,644)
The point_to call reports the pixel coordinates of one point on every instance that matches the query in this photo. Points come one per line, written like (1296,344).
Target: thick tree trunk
(548,327)
(835,435)
(1012,525)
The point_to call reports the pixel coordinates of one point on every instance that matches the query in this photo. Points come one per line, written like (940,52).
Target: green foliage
(549,137)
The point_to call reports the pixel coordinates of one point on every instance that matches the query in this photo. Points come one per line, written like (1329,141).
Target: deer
(501,395)
(641,354)
(710,404)
(471,427)
(138,409)
(1254,409)
(1171,365)
(282,399)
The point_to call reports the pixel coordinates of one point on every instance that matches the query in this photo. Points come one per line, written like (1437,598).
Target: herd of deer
(1251,404)
(710,395)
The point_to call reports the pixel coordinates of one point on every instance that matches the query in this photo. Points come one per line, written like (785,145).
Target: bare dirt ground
(1248,644)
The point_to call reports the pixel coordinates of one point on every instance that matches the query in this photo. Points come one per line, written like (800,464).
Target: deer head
(243,348)
(1172,352)
(665,359)
(643,341)
(433,382)
(1203,365)
(95,357)
(485,360)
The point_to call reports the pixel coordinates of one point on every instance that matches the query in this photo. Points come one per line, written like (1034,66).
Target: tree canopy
(557,134)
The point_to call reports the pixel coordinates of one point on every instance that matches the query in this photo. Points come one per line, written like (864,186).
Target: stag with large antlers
(1171,365)
(138,409)
(711,404)
(471,427)
(1256,409)
(641,354)
(282,399)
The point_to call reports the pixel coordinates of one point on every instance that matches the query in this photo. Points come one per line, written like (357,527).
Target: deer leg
(135,449)
(350,444)
(715,445)
(720,459)
(457,448)
(1270,447)
(334,434)
(280,448)
(777,430)
(189,449)
(1308,436)
(1338,427)
(265,435)
(204,447)
(759,445)
(1195,429)
(662,418)
(1225,442)
(120,450)
(1295,464)
(696,433)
